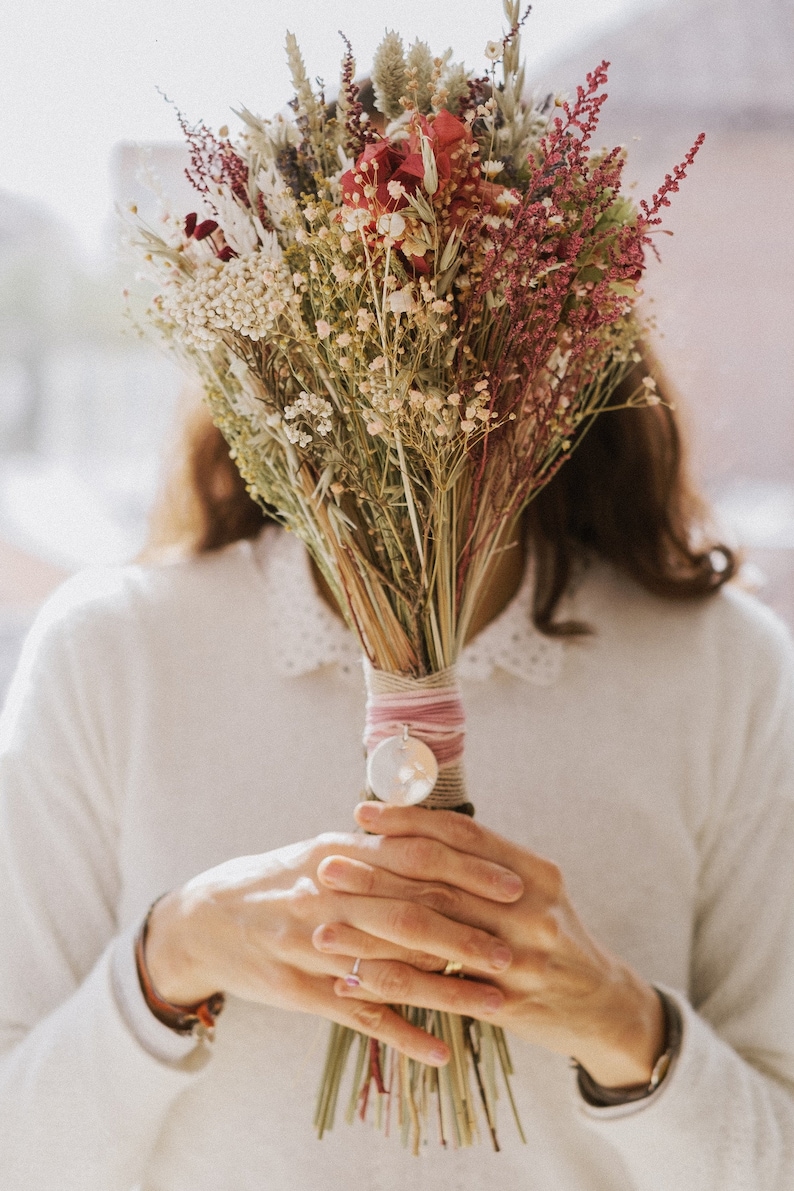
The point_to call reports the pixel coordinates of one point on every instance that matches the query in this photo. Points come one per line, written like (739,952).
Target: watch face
(660,1069)
(402,770)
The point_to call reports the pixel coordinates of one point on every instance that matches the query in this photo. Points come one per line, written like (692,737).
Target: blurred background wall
(86,405)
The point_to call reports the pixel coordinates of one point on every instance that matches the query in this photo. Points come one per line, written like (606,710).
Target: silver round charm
(402,770)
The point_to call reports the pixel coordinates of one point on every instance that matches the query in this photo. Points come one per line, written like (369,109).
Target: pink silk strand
(435,717)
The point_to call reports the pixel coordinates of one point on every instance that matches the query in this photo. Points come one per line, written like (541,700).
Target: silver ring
(353,980)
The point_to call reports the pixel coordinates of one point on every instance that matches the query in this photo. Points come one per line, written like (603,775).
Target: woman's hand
(561,991)
(247,928)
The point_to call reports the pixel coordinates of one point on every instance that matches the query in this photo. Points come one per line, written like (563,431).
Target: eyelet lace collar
(305,634)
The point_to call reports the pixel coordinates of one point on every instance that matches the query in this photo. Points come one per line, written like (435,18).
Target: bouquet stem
(469,1081)
(428,711)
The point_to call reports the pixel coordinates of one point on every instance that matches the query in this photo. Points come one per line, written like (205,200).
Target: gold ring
(452,968)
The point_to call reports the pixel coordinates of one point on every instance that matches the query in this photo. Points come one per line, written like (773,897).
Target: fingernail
(333,872)
(325,937)
(501,957)
(493,1000)
(368,811)
(511,884)
(439,1054)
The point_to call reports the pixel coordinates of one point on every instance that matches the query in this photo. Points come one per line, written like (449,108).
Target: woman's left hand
(561,990)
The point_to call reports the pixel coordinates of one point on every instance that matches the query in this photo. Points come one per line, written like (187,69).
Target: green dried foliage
(390,76)
(455,81)
(309,110)
(420,75)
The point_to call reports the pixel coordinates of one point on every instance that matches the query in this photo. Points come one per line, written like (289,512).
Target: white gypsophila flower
(354,218)
(247,295)
(299,438)
(308,407)
(236,223)
(401,301)
(396,189)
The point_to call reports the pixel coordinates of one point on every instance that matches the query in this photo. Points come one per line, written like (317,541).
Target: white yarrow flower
(248,294)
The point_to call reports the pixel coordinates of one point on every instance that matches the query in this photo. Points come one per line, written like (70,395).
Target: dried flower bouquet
(403,334)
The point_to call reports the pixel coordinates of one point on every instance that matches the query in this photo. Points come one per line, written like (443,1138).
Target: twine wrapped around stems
(431,708)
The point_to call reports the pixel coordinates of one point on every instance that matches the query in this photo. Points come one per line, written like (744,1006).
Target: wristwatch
(599,1097)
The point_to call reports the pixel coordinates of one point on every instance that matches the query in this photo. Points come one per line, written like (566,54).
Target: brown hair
(203,505)
(625,495)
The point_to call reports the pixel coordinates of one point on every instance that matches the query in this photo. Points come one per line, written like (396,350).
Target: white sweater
(166,719)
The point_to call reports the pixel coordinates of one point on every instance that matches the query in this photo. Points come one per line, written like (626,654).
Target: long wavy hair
(625,494)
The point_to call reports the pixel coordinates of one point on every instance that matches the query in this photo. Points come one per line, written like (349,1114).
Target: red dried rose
(381,163)
(461,187)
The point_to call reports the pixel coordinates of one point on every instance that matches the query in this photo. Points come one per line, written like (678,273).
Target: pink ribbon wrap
(432,710)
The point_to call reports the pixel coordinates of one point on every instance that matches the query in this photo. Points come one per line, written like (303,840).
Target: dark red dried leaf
(204,229)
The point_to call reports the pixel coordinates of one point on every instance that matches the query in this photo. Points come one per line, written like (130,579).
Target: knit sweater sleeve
(724,1116)
(81,1100)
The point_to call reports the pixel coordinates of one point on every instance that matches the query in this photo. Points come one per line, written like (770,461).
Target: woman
(176,728)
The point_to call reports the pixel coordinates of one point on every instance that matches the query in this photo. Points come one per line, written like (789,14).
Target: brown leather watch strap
(600,1097)
(183,1019)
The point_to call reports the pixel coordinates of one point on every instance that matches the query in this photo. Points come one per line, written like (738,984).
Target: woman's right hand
(254,927)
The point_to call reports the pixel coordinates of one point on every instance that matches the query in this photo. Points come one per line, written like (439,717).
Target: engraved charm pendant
(402,770)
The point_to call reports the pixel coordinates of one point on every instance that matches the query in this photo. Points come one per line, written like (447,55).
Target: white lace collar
(305,634)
